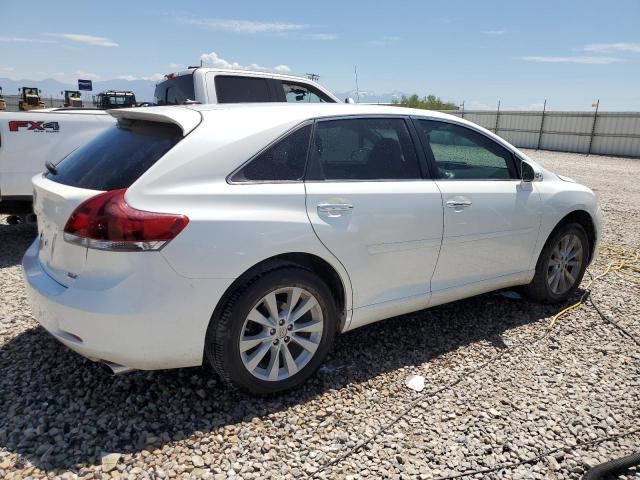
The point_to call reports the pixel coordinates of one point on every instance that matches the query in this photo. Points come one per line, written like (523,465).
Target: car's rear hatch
(114,160)
(53,205)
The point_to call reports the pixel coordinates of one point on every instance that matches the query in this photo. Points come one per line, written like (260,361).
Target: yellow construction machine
(30,99)
(72,98)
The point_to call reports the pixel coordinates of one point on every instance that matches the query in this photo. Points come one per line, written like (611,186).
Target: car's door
(491,217)
(371,207)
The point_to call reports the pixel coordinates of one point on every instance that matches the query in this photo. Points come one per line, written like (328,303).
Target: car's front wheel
(561,265)
(273,332)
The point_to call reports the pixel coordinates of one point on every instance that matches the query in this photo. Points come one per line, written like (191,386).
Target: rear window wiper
(51,167)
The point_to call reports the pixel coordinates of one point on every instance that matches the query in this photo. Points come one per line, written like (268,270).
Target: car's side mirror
(529,173)
(349,100)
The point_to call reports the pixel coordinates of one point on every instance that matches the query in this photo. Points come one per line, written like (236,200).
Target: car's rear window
(175,91)
(117,157)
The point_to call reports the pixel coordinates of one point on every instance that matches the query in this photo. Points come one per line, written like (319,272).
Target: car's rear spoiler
(186,118)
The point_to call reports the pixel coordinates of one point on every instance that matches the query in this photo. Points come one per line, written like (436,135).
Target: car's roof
(316,110)
(276,113)
(230,71)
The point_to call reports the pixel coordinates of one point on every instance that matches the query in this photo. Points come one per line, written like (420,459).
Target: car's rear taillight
(106,222)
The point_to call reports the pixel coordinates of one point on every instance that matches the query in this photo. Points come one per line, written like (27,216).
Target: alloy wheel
(565,264)
(281,333)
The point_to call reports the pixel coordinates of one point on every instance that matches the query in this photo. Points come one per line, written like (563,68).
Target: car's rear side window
(117,157)
(238,89)
(175,91)
(363,149)
(284,161)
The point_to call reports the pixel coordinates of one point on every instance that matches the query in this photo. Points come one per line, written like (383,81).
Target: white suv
(250,234)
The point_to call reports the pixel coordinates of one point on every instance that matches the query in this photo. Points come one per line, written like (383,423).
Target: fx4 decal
(50,127)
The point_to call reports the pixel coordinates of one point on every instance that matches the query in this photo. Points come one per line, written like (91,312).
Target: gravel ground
(499,388)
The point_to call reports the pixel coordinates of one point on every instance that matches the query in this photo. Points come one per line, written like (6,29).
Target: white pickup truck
(30,139)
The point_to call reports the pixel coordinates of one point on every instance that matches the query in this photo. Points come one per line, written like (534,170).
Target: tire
(541,288)
(264,367)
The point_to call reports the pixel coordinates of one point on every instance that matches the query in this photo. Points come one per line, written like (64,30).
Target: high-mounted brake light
(106,222)
(170,75)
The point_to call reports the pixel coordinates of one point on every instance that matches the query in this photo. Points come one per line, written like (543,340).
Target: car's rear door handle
(335,209)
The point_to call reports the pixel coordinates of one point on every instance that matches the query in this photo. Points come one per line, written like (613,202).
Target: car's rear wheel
(561,265)
(273,332)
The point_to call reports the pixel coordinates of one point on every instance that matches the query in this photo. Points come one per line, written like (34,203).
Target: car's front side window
(299,93)
(460,153)
(363,149)
(283,161)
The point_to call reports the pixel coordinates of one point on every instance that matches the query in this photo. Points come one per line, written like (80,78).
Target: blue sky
(569,52)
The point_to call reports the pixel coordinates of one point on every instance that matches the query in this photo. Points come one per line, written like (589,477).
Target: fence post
(463,109)
(495,130)
(544,108)
(593,127)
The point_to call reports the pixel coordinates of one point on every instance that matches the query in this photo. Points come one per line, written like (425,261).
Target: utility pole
(313,77)
(355,71)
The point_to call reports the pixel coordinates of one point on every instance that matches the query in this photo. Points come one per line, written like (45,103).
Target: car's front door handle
(335,209)
(458,204)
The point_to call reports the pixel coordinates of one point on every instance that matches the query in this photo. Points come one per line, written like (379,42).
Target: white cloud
(154,77)
(383,41)
(58,74)
(175,65)
(613,47)
(86,39)
(589,60)
(213,60)
(87,75)
(476,105)
(494,32)
(242,26)
(322,36)
(25,40)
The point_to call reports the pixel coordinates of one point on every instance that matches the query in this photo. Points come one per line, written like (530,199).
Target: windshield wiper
(51,167)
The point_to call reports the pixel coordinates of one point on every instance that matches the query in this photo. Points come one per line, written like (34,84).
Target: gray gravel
(61,415)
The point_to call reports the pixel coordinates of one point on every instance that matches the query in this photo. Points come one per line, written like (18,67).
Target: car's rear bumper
(152,318)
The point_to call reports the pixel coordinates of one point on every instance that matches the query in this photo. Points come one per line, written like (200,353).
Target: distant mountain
(52,88)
